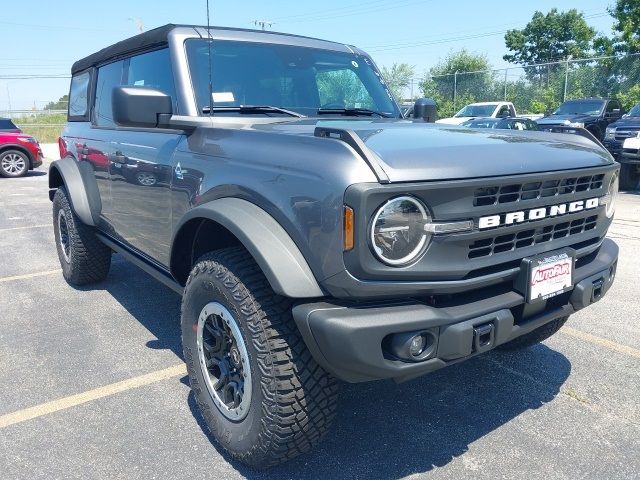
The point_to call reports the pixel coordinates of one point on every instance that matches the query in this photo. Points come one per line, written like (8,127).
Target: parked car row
(600,119)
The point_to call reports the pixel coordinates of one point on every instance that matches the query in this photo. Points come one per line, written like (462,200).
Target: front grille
(495,195)
(627,133)
(527,238)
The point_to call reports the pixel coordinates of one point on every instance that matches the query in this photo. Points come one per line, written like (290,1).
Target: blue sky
(46,37)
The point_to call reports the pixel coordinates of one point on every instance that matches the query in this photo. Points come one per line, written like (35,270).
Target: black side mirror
(141,107)
(426,109)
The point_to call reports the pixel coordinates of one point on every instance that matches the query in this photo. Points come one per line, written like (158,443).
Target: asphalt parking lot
(93,384)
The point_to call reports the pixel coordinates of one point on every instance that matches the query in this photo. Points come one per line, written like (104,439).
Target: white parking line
(29,275)
(24,228)
(602,342)
(90,395)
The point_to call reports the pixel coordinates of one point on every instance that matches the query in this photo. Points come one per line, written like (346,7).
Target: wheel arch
(228,222)
(20,148)
(79,182)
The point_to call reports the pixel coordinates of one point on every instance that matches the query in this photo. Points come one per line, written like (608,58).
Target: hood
(417,151)
(565,119)
(454,120)
(626,122)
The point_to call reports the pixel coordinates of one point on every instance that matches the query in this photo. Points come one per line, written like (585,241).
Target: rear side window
(153,70)
(7,124)
(109,77)
(79,96)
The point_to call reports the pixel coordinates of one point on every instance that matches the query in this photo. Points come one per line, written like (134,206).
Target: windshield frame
(392,110)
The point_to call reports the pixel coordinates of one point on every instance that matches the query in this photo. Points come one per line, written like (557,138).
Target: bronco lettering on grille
(537,213)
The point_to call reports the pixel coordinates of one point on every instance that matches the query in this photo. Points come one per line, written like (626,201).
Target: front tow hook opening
(483,337)
(596,292)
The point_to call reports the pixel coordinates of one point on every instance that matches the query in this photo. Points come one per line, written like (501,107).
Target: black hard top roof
(159,36)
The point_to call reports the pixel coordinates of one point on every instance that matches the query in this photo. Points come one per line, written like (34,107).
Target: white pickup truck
(481,109)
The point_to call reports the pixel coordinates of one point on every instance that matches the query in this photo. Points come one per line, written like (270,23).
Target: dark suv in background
(616,134)
(594,114)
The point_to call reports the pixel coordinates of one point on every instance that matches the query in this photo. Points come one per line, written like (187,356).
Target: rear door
(142,170)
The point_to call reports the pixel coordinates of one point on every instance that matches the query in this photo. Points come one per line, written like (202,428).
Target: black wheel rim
(63,235)
(224,361)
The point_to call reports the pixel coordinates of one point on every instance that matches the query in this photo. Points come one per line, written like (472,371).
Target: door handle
(119,157)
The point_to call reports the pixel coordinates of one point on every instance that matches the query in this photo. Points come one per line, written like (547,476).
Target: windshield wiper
(351,111)
(252,109)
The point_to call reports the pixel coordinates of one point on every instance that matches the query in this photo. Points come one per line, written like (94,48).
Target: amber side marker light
(348,228)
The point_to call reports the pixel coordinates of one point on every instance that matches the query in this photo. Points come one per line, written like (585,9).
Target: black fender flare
(269,244)
(79,181)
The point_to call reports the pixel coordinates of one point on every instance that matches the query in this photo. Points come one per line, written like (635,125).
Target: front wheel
(629,176)
(13,163)
(261,393)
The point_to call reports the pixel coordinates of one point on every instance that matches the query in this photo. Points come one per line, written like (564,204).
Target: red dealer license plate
(550,274)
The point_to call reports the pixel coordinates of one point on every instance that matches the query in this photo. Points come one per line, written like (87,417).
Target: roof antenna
(209,48)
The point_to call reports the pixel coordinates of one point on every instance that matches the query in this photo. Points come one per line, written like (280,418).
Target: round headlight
(398,236)
(612,195)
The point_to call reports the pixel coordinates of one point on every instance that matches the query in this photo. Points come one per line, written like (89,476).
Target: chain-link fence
(540,88)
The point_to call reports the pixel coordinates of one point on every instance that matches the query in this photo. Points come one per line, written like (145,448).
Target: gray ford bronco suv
(315,235)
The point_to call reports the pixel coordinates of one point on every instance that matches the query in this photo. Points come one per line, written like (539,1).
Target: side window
(504,111)
(612,105)
(109,77)
(519,125)
(79,96)
(153,70)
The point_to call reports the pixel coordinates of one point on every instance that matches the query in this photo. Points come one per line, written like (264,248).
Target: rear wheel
(13,163)
(629,176)
(534,337)
(260,392)
(83,257)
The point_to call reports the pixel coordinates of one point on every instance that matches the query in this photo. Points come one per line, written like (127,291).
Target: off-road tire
(534,337)
(293,400)
(629,176)
(89,259)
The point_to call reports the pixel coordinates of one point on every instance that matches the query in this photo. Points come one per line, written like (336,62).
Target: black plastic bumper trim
(347,340)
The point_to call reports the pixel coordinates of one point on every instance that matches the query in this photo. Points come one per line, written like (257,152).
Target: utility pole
(263,24)
(506,71)
(566,79)
(455,89)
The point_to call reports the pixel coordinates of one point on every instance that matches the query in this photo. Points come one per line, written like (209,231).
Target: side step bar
(140,262)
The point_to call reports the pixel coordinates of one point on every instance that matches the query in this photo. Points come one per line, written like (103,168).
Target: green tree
(474,81)
(61,104)
(626,14)
(550,37)
(398,78)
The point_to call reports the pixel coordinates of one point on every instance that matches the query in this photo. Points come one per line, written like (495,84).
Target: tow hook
(596,292)
(483,337)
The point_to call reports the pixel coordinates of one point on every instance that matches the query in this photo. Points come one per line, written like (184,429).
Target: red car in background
(19,153)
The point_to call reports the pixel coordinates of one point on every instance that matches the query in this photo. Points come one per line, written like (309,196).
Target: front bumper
(36,160)
(348,340)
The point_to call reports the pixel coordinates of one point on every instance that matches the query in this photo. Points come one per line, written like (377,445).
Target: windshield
(635,111)
(298,79)
(580,108)
(477,110)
